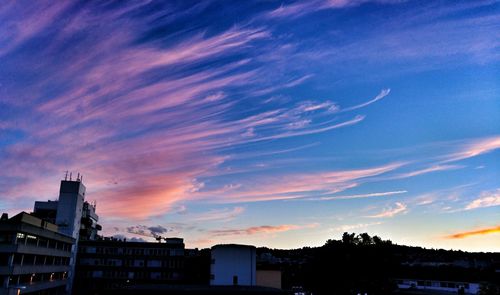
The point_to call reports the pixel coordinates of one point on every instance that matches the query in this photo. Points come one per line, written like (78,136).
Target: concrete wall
(233,265)
(69,216)
(69,207)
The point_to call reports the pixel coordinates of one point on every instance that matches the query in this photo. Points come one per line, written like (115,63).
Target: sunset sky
(273,123)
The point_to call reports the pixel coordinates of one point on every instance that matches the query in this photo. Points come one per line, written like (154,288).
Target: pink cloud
(360,196)
(430,169)
(475,148)
(263,229)
(15,32)
(294,186)
(220,214)
(299,8)
(399,208)
(142,140)
(487,199)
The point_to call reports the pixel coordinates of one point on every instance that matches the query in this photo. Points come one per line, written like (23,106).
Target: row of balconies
(17,269)
(33,249)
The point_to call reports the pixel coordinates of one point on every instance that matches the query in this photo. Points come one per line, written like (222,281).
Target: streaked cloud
(350,227)
(295,186)
(263,229)
(478,232)
(486,199)
(225,214)
(151,118)
(398,208)
(475,148)
(359,196)
(383,93)
(300,8)
(433,168)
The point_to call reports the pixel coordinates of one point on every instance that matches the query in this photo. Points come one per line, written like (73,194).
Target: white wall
(68,218)
(229,261)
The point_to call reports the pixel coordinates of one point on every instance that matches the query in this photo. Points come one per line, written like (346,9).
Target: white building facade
(233,265)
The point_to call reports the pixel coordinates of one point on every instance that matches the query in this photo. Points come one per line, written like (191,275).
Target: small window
(212,277)
(235,280)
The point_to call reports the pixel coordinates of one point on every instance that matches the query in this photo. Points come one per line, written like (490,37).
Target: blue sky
(275,123)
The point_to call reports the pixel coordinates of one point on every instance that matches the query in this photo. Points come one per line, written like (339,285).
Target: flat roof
(232,246)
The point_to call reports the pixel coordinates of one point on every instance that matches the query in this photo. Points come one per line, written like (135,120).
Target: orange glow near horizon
(485,231)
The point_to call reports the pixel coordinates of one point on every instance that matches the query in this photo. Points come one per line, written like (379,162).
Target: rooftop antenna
(70,174)
(81,178)
(66,175)
(78,177)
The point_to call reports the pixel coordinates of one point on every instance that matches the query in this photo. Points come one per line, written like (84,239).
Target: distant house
(434,285)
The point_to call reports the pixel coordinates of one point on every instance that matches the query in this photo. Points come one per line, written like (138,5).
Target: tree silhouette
(365,239)
(349,239)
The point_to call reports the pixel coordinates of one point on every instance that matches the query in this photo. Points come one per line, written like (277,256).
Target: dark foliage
(365,264)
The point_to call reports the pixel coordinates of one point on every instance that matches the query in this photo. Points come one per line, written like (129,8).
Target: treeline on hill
(365,264)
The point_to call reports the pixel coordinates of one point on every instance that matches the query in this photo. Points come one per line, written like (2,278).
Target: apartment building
(34,256)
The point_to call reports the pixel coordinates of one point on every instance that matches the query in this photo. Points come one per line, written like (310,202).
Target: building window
(5,238)
(235,280)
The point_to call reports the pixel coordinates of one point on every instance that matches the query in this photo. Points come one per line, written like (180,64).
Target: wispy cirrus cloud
(398,208)
(295,186)
(141,119)
(263,229)
(349,227)
(475,148)
(299,8)
(359,196)
(478,232)
(486,199)
(430,169)
(21,28)
(383,93)
(225,214)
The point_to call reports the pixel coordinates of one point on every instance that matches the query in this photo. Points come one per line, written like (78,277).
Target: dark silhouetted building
(111,263)
(73,215)
(34,256)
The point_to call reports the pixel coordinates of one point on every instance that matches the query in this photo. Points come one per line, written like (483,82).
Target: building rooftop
(25,222)
(232,246)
